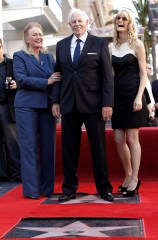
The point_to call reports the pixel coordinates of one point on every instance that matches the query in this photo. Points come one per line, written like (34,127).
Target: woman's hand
(137,105)
(55,77)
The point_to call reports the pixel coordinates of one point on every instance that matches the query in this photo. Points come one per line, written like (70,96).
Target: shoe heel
(138,185)
(133,192)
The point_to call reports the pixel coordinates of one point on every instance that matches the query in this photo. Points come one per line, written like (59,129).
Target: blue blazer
(32,76)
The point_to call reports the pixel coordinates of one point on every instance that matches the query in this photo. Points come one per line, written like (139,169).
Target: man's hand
(12,84)
(56,110)
(106,113)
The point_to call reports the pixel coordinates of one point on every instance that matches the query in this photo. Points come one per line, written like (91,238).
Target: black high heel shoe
(132,192)
(122,189)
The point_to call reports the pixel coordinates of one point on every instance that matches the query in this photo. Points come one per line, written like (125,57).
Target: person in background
(154,86)
(85,95)
(130,109)
(33,70)
(9,146)
(3,162)
(151,105)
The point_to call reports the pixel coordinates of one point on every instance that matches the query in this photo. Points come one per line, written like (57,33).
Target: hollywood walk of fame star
(76,228)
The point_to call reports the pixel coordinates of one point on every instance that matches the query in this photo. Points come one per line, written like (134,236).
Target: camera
(7,82)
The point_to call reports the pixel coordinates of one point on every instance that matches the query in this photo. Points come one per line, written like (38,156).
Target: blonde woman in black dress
(130,111)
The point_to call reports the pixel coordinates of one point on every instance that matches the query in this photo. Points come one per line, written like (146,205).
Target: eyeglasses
(123,18)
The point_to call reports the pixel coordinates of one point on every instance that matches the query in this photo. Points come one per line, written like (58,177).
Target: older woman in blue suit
(36,126)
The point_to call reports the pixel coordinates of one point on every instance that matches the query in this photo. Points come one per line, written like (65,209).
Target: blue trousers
(37,133)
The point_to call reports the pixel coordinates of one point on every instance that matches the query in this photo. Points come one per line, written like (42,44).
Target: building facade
(51,14)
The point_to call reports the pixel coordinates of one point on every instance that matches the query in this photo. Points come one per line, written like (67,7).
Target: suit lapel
(41,63)
(87,45)
(67,48)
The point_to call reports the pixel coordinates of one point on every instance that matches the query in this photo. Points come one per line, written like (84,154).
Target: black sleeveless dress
(126,82)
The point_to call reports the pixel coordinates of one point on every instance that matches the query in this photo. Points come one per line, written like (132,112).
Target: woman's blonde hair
(25,35)
(132,30)
(1,42)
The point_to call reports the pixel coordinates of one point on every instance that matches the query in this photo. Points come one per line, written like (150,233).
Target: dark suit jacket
(155,94)
(32,79)
(154,85)
(90,82)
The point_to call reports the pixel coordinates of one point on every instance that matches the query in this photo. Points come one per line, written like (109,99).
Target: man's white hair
(75,11)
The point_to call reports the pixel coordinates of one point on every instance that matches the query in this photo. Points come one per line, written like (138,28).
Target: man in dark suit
(85,95)
(155,94)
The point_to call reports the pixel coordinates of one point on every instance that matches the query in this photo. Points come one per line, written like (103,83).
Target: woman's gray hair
(75,11)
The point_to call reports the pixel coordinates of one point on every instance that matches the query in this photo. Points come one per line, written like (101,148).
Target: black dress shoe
(107,197)
(4,179)
(17,179)
(47,195)
(32,197)
(67,197)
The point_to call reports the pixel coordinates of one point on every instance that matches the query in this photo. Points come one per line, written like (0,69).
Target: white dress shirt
(74,43)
